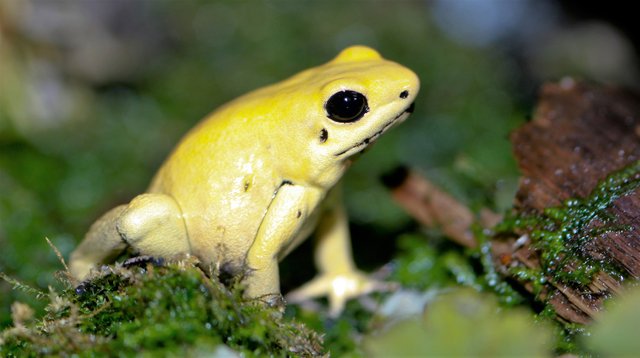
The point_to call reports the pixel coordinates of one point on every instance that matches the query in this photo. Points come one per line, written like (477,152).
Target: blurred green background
(94,94)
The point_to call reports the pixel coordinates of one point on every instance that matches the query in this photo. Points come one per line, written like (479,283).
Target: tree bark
(579,136)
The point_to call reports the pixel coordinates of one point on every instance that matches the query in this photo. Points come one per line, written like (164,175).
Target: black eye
(346,106)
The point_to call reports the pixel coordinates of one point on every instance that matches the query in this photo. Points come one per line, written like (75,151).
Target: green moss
(421,266)
(340,335)
(490,279)
(169,310)
(560,233)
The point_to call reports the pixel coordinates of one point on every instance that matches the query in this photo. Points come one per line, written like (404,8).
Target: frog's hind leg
(151,224)
(101,244)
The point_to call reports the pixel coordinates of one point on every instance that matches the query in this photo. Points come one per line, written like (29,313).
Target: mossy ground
(560,234)
(173,309)
(176,309)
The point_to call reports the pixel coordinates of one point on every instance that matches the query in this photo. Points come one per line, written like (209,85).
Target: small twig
(431,206)
(17,285)
(55,249)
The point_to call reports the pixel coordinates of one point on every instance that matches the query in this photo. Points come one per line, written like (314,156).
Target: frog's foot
(338,287)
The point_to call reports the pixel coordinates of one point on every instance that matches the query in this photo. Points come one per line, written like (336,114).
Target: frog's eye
(346,106)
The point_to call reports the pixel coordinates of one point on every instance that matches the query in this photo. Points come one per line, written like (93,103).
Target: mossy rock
(148,309)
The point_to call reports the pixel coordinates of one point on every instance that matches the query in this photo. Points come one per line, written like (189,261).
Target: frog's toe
(338,288)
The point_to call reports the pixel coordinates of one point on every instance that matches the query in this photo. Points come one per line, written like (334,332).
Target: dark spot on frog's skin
(220,231)
(246,186)
(323,135)
(298,214)
(283,183)
(404,94)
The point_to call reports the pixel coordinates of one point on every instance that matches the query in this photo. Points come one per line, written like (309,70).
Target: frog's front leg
(338,277)
(152,224)
(284,218)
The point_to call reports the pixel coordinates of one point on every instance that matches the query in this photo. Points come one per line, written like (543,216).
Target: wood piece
(431,206)
(580,134)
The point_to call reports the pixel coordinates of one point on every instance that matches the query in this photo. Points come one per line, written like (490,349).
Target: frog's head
(362,96)
(353,100)
(323,116)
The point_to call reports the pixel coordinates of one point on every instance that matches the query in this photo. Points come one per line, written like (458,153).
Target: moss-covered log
(573,235)
(580,176)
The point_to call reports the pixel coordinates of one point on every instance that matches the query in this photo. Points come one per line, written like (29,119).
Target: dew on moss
(560,233)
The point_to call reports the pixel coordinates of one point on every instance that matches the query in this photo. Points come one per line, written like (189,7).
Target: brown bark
(580,134)
(430,206)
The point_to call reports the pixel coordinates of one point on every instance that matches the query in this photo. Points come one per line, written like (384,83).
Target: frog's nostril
(404,94)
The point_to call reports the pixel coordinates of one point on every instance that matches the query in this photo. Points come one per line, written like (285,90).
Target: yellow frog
(252,180)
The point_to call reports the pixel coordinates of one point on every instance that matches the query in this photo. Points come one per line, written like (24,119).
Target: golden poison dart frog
(258,175)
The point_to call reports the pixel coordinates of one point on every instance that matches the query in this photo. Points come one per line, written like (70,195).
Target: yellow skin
(257,176)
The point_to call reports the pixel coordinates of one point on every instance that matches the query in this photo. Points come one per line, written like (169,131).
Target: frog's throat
(365,142)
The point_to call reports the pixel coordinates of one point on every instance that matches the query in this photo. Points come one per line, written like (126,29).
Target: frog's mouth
(360,146)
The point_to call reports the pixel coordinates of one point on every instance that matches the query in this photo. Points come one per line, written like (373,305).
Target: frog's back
(221,180)
(225,172)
